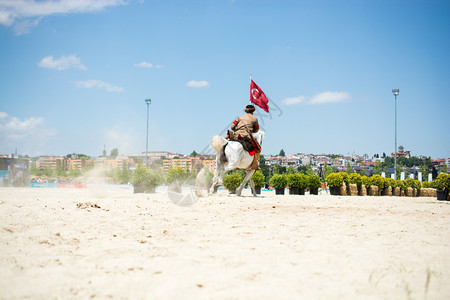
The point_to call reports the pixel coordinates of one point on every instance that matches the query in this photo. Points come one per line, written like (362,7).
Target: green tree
(327,170)
(114,153)
(377,168)
(194,153)
(282,153)
(424,169)
(35,171)
(362,171)
(48,172)
(60,172)
(74,172)
(125,173)
(399,170)
(277,169)
(349,168)
(265,169)
(291,170)
(175,175)
(302,169)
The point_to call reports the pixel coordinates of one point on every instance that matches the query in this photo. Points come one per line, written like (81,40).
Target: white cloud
(321,98)
(62,63)
(13,129)
(98,84)
(294,100)
(330,97)
(147,65)
(197,84)
(25,26)
(24,14)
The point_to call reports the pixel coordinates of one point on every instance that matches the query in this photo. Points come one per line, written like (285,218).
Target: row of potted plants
(145,180)
(336,182)
(296,182)
(232,181)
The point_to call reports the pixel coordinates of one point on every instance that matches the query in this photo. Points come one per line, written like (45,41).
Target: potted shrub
(139,179)
(153,180)
(409,182)
(379,181)
(345,178)
(401,186)
(175,178)
(314,184)
(259,180)
(145,180)
(417,187)
(367,182)
(297,183)
(442,184)
(355,178)
(389,184)
(426,184)
(279,182)
(231,182)
(334,181)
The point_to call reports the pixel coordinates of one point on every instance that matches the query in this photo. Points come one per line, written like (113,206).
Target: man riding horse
(242,130)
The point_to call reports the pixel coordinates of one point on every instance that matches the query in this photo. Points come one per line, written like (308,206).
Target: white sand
(54,244)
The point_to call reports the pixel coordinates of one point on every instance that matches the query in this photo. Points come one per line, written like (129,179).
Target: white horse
(236,158)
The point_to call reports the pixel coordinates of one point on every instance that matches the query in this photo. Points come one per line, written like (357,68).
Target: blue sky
(74,74)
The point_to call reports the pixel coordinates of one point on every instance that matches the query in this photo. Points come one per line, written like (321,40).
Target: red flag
(258,97)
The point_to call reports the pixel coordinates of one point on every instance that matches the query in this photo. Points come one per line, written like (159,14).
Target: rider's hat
(249,108)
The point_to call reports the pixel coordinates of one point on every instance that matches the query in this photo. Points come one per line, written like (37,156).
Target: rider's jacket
(245,125)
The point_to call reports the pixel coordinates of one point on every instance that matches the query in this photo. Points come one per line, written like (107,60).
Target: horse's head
(259,136)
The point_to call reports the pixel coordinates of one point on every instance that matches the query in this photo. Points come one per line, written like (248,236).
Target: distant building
(61,162)
(189,164)
(50,162)
(401,153)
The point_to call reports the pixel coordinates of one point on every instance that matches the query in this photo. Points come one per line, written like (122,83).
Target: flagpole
(250,86)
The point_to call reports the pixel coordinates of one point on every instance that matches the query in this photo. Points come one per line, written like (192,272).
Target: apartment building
(50,162)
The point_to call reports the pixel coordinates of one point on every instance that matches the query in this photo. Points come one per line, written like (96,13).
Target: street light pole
(148,101)
(395,92)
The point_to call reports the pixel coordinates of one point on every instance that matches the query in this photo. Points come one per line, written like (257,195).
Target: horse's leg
(216,178)
(248,175)
(252,184)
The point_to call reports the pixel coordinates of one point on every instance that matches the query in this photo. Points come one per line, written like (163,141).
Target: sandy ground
(111,243)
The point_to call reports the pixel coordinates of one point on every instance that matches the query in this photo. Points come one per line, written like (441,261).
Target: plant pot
(257,190)
(335,190)
(314,191)
(279,191)
(293,191)
(301,191)
(441,195)
(232,191)
(138,189)
(373,190)
(360,191)
(175,188)
(150,189)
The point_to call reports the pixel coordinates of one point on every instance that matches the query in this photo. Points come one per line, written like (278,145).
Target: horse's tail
(219,143)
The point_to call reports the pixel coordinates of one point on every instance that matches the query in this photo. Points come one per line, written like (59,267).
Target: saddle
(249,144)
